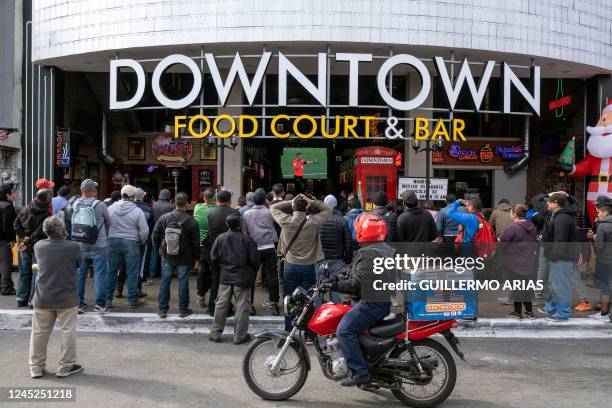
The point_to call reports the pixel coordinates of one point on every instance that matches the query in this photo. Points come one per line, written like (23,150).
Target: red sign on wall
(167,149)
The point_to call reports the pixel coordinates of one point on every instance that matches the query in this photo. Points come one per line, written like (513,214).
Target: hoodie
(29,223)
(416,225)
(128,222)
(501,219)
(561,236)
(519,247)
(603,241)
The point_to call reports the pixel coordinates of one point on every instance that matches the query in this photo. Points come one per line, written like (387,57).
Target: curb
(91,322)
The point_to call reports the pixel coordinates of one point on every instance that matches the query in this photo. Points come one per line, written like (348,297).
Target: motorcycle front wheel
(275,387)
(426,393)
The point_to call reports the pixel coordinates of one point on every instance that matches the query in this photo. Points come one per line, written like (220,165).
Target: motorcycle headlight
(299,295)
(287,305)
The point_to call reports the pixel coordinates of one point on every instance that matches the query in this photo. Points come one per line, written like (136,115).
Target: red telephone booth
(376,169)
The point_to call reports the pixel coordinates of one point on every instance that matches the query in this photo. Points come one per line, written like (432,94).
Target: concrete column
(513,188)
(414,164)
(232,169)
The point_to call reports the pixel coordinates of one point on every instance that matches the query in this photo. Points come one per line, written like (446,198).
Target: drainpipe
(105,153)
(513,168)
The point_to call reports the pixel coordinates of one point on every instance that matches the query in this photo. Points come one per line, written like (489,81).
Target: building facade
(315,49)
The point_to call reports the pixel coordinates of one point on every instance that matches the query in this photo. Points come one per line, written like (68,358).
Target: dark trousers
(145,255)
(121,277)
(204,273)
(214,288)
(295,276)
(269,272)
(354,322)
(6,264)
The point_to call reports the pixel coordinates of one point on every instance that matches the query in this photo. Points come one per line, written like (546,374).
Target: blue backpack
(84,226)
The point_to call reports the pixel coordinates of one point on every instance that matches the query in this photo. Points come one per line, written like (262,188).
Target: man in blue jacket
(468,220)
(447,227)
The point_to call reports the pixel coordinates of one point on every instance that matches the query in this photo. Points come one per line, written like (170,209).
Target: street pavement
(174,370)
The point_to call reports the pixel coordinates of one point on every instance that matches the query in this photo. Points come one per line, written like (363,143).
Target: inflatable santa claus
(598,161)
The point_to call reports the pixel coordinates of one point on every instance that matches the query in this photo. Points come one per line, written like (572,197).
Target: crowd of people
(271,238)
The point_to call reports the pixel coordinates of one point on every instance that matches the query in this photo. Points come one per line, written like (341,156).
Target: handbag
(281,265)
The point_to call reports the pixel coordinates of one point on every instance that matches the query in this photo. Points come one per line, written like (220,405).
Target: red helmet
(370,228)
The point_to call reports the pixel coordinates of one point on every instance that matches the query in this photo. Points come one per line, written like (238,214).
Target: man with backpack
(90,222)
(128,231)
(380,208)
(177,235)
(476,232)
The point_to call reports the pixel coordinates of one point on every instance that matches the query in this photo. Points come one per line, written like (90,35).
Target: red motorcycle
(401,357)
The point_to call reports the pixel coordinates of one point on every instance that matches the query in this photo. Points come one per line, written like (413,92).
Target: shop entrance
(472,183)
(153,178)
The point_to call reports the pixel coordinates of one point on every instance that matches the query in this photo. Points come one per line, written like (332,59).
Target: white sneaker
(101,310)
(599,317)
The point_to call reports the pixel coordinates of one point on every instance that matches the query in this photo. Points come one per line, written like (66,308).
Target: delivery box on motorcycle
(440,295)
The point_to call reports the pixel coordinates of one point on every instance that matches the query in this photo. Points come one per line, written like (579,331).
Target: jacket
(235,256)
(190,237)
(128,222)
(216,221)
(360,281)
(391,221)
(161,207)
(416,225)
(519,247)
(350,220)
(200,213)
(307,248)
(445,225)
(29,223)
(7,219)
(103,220)
(56,282)
(501,218)
(260,226)
(561,236)
(148,213)
(603,241)
(336,238)
(470,222)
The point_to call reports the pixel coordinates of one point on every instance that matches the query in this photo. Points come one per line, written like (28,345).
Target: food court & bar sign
(318,89)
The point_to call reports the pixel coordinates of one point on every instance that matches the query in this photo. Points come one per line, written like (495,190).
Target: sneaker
(22,303)
(201,302)
(583,306)
(247,338)
(268,303)
(528,316)
(273,306)
(9,292)
(100,309)
(147,283)
(82,309)
(555,318)
(215,336)
(38,373)
(541,310)
(599,317)
(515,315)
(162,314)
(118,293)
(72,370)
(358,380)
(504,301)
(137,304)
(252,312)
(185,313)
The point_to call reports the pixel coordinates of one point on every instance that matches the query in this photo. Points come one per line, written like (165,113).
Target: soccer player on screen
(298,168)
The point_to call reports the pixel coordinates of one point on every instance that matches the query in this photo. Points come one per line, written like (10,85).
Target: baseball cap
(139,194)
(44,183)
(558,198)
(88,185)
(128,190)
(331,201)
(380,199)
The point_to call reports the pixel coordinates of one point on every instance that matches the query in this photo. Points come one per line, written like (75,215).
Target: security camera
(234,142)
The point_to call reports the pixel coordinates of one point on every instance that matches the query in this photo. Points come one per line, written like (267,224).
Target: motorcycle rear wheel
(274,345)
(425,348)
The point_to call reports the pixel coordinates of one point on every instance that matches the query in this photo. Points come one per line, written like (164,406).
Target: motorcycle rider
(373,305)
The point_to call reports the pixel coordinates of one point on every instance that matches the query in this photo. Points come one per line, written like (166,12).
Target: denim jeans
(98,257)
(560,300)
(295,276)
(27,277)
(154,262)
(354,322)
(543,271)
(126,250)
(182,273)
(335,267)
